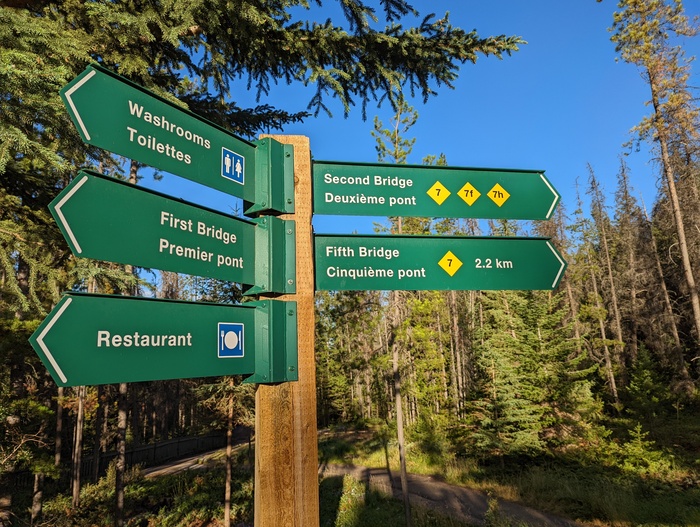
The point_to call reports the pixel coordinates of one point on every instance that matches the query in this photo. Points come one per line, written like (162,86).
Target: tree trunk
(458,352)
(606,351)
(675,206)
(59,427)
(120,467)
(229,461)
(136,413)
(399,412)
(597,205)
(78,448)
(634,326)
(97,443)
(574,315)
(443,376)
(37,496)
(681,366)
(613,291)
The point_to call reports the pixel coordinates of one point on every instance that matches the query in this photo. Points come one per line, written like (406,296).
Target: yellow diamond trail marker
(498,195)
(439,193)
(450,263)
(469,194)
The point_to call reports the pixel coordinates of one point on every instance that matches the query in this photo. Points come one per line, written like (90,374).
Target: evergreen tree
(642,32)
(507,410)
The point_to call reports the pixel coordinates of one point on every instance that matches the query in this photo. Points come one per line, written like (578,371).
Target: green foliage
(495,518)
(628,480)
(347,502)
(169,501)
(392,145)
(648,391)
(430,435)
(487,376)
(641,458)
(507,414)
(24,410)
(591,494)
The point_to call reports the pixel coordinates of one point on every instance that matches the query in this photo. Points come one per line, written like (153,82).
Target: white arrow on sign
(44,347)
(62,218)
(69,95)
(561,262)
(556,196)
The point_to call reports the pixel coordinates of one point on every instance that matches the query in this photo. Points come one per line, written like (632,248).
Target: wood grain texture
(286,439)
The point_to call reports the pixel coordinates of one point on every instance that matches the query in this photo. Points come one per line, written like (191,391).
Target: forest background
(602,372)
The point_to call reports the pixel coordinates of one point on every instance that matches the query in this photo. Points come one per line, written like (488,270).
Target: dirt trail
(466,504)
(459,502)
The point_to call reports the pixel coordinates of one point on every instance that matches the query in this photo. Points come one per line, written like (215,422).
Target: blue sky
(558,104)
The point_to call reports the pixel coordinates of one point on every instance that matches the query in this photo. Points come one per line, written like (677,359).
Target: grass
(190,498)
(630,482)
(347,502)
(194,498)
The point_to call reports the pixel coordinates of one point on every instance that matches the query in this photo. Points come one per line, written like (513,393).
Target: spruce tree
(643,32)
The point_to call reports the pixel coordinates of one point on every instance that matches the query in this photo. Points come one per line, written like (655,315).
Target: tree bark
(681,366)
(59,427)
(399,409)
(37,499)
(97,443)
(120,467)
(613,291)
(458,353)
(606,351)
(229,451)
(598,205)
(574,315)
(78,448)
(675,206)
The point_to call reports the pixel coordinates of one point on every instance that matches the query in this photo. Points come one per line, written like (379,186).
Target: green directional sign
(102,339)
(107,219)
(112,113)
(349,262)
(365,189)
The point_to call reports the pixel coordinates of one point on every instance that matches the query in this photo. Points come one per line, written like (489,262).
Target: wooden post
(286,438)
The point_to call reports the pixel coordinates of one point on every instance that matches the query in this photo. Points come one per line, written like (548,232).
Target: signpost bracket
(275,261)
(274,178)
(276,355)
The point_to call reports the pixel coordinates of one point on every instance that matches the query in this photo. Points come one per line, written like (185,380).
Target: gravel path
(454,501)
(463,503)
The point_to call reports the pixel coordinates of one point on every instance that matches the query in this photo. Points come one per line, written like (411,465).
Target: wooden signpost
(271,339)
(286,437)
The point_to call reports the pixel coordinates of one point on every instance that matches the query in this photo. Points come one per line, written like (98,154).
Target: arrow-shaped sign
(102,339)
(345,262)
(107,219)
(112,113)
(365,189)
